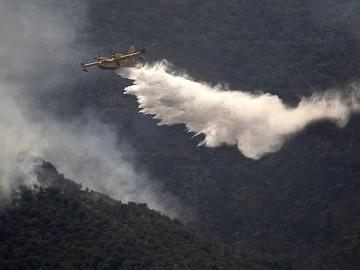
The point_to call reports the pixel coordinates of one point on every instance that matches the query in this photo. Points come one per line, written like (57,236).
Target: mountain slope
(298,204)
(60,226)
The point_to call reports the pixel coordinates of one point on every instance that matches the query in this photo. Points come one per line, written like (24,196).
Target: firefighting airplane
(116,61)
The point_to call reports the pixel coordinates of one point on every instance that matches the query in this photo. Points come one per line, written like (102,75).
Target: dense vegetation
(61,226)
(299,205)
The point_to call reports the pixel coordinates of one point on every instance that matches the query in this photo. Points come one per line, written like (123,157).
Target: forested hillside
(61,226)
(298,206)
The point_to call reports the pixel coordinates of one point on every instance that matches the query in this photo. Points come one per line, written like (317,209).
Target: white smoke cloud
(84,150)
(87,150)
(257,124)
(16,135)
(38,48)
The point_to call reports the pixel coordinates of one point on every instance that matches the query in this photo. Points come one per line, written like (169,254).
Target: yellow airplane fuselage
(108,64)
(116,61)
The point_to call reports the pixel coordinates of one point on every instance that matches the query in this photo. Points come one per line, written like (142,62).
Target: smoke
(84,149)
(257,124)
(17,135)
(88,151)
(39,52)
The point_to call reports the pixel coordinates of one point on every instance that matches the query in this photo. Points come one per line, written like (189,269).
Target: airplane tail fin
(131,49)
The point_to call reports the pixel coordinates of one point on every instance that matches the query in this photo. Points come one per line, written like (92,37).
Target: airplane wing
(84,66)
(132,54)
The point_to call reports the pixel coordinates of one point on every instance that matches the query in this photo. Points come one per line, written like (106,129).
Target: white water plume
(257,123)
